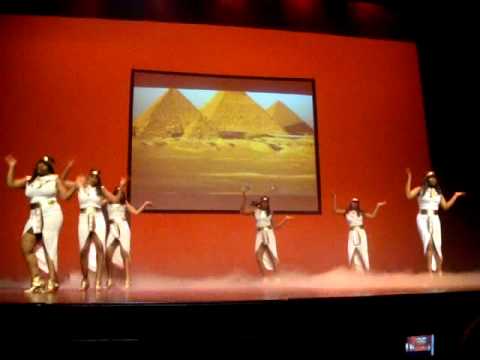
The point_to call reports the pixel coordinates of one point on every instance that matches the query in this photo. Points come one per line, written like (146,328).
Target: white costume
(265,236)
(91,219)
(357,239)
(428,222)
(46,217)
(119,230)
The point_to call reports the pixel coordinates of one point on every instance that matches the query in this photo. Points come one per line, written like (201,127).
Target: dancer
(357,237)
(92,195)
(429,197)
(119,236)
(41,231)
(265,243)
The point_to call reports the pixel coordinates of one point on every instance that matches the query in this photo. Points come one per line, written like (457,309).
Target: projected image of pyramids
(194,150)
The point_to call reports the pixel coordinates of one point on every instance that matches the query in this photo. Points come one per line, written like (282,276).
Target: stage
(340,310)
(154,289)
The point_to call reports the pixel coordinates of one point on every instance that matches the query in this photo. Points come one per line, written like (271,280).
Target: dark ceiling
(394,19)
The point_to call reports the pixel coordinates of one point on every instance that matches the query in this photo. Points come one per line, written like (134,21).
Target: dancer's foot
(52,286)
(84,285)
(37,285)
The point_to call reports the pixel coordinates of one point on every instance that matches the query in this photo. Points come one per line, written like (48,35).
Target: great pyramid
(234,113)
(172,115)
(288,120)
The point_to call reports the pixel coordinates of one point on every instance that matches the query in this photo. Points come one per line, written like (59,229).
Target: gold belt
(357,226)
(114,221)
(84,210)
(425,212)
(263,228)
(39,205)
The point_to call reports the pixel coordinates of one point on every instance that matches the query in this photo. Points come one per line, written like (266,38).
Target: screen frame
(135,71)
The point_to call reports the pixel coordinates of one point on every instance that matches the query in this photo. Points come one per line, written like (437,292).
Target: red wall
(64,90)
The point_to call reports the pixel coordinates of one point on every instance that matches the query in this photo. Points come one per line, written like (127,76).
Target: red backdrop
(65,91)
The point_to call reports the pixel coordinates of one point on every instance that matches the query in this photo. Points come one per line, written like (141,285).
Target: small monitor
(424,344)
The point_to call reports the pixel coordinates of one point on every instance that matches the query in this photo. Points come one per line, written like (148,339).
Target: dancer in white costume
(265,241)
(92,228)
(357,247)
(119,236)
(40,233)
(430,197)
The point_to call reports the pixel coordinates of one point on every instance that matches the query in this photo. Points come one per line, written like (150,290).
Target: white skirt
(357,240)
(52,217)
(119,230)
(267,238)
(430,230)
(84,231)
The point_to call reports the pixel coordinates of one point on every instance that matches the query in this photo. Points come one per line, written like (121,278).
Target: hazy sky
(302,105)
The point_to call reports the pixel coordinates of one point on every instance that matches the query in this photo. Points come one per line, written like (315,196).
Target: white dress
(265,236)
(119,230)
(428,224)
(47,219)
(91,219)
(357,238)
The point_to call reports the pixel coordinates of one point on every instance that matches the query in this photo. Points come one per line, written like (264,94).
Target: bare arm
(67,188)
(448,204)
(134,211)
(409,192)
(69,183)
(11,181)
(109,196)
(64,192)
(245,208)
(66,171)
(374,212)
(335,209)
(114,198)
(282,222)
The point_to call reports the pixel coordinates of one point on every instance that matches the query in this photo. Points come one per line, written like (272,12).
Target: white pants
(119,230)
(52,219)
(84,231)
(430,230)
(357,244)
(267,238)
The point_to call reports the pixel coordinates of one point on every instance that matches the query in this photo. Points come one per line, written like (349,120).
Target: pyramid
(200,129)
(288,120)
(234,113)
(170,116)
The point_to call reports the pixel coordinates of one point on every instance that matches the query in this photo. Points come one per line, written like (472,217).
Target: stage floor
(238,287)
(371,314)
